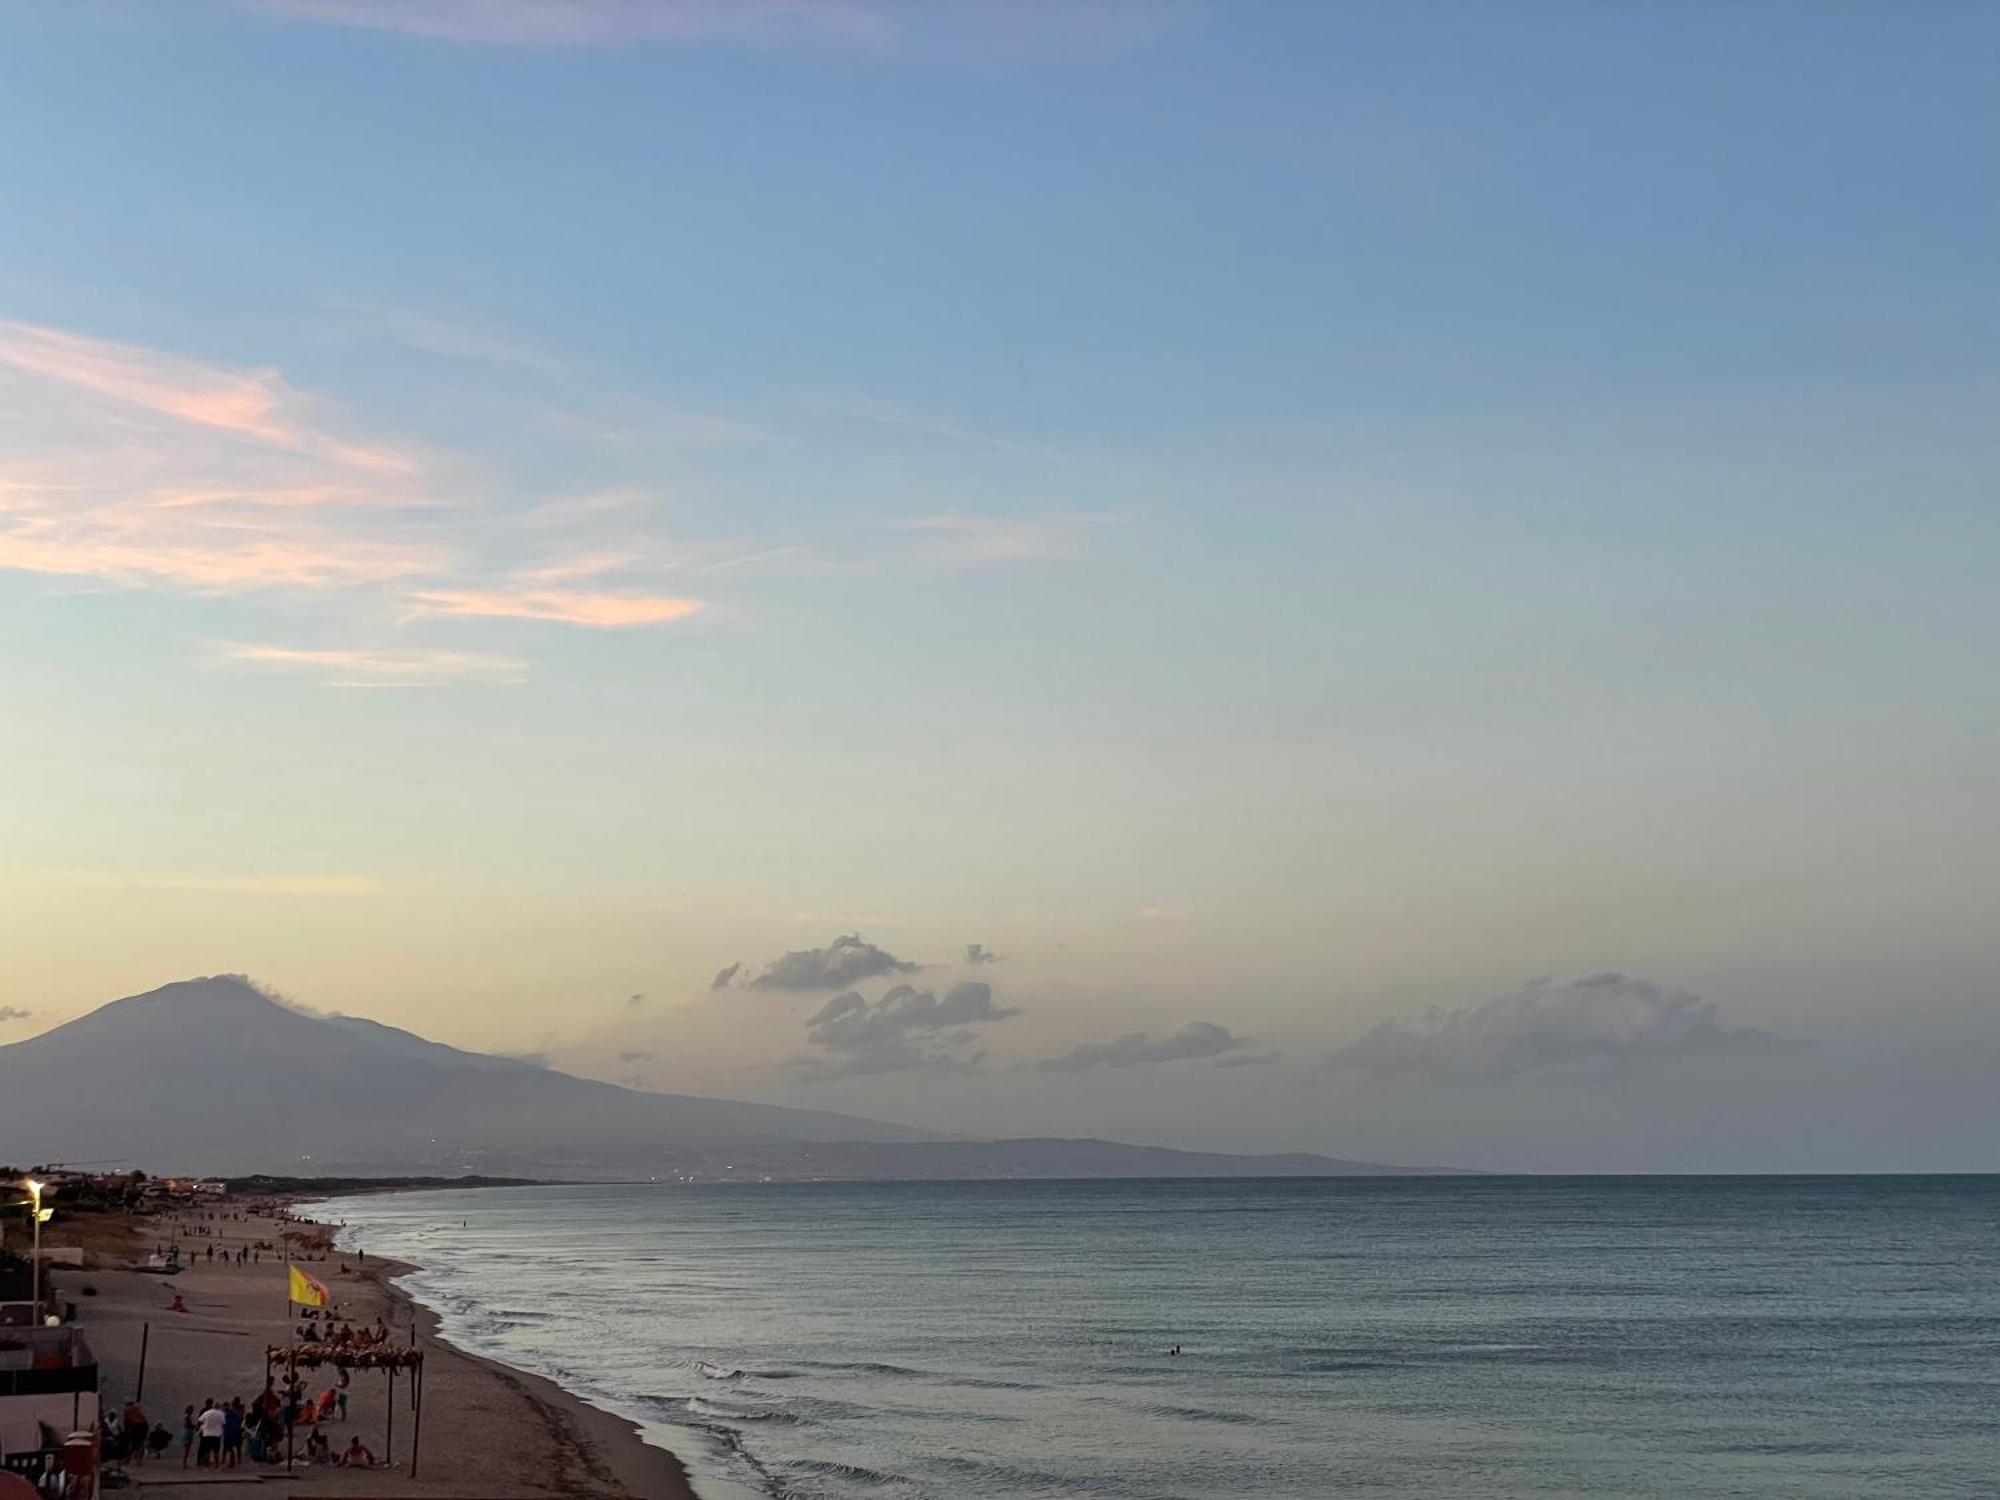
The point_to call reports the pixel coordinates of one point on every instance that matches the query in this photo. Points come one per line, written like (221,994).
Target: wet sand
(487,1431)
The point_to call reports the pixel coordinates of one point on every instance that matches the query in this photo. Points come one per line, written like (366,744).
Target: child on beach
(187,1434)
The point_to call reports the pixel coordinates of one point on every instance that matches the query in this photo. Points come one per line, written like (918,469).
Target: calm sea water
(1414,1337)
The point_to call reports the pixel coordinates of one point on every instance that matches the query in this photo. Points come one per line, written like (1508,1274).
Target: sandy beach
(487,1431)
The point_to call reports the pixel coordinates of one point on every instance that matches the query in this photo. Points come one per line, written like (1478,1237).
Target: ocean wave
(717,1372)
(863,1367)
(1204,1414)
(983,1474)
(827,1468)
(717,1411)
(984,1383)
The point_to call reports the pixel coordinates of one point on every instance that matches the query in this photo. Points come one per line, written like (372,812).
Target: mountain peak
(233,992)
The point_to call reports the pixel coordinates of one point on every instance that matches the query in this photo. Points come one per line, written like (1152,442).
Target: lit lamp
(41,1216)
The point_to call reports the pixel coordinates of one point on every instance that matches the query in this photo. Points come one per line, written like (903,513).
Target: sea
(1449,1336)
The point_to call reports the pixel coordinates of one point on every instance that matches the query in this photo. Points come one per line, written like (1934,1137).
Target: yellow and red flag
(308,1291)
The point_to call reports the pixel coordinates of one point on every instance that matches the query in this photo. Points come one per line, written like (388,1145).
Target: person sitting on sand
(159,1440)
(357,1456)
(177,1305)
(318,1449)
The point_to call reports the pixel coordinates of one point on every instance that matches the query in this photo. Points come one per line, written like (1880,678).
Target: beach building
(48,1403)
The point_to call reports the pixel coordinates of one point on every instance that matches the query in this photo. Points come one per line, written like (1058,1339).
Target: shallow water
(1408,1337)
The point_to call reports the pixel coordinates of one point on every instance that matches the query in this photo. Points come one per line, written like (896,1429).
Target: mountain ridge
(219,1075)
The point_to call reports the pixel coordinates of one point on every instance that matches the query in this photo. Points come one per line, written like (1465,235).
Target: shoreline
(610,1449)
(487,1430)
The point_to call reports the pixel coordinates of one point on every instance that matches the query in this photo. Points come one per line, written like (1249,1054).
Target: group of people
(222,1435)
(344,1337)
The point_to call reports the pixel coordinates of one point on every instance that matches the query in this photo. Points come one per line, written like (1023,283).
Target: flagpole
(291,1363)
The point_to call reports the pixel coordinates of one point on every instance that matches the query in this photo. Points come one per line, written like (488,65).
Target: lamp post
(35,1209)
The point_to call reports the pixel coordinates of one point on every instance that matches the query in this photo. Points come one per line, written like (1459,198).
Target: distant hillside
(1019,1159)
(212,1076)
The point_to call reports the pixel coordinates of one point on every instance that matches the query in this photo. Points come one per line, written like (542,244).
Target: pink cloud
(604,610)
(143,468)
(255,406)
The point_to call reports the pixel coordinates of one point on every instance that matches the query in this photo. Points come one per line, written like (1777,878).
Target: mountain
(212,1075)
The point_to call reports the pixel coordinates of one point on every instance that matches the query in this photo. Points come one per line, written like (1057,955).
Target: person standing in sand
(232,1434)
(187,1434)
(211,1422)
(136,1430)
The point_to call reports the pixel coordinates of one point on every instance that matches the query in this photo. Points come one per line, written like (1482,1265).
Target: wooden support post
(417,1424)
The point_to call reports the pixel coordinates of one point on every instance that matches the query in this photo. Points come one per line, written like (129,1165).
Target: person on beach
(340,1401)
(158,1441)
(177,1305)
(357,1456)
(187,1434)
(270,1438)
(232,1434)
(318,1449)
(137,1429)
(210,1424)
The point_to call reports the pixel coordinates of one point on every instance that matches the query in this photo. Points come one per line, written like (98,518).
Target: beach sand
(487,1430)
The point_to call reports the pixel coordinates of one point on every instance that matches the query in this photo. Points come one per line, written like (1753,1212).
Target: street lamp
(39,1213)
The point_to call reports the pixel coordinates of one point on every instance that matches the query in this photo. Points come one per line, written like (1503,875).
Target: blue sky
(1283,517)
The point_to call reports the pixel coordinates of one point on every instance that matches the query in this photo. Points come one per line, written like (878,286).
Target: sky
(1412,581)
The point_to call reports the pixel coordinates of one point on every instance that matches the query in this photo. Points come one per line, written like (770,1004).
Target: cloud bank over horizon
(1197,1039)
(1604,1019)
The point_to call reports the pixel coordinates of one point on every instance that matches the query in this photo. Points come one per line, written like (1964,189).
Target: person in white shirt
(210,1424)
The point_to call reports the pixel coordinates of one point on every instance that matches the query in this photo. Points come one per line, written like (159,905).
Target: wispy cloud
(256,406)
(1196,1040)
(463,339)
(986,541)
(599,609)
(588,23)
(140,468)
(974,31)
(376,667)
